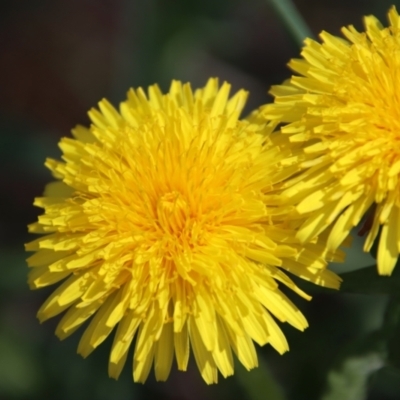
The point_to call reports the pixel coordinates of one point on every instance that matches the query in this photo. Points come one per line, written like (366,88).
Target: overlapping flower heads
(342,112)
(165,224)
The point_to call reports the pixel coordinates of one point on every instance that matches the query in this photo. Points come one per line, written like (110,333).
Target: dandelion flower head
(343,110)
(163,224)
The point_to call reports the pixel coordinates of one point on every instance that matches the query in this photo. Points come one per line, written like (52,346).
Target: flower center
(172,211)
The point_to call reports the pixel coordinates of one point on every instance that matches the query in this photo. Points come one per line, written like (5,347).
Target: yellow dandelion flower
(343,110)
(164,224)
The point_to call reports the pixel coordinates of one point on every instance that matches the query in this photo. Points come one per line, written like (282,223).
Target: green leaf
(366,357)
(14,268)
(20,372)
(350,381)
(258,383)
(386,382)
(367,281)
(391,328)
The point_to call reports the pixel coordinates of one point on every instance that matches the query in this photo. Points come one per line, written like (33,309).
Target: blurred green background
(58,59)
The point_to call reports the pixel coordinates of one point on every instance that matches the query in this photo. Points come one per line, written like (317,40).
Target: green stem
(293,20)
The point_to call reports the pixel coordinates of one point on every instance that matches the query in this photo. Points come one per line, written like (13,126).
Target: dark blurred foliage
(58,59)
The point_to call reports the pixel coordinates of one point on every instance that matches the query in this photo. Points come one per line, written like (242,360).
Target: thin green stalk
(292,19)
